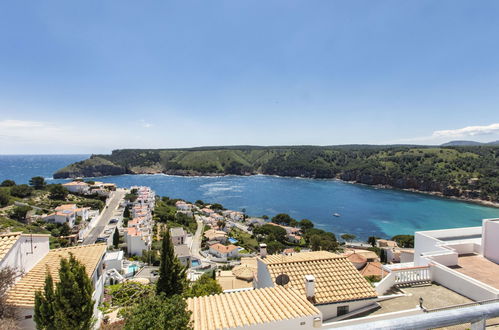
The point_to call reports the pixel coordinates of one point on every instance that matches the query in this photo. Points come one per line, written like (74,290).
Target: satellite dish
(282,279)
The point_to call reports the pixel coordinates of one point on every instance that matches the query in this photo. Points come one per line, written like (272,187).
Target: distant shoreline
(431,193)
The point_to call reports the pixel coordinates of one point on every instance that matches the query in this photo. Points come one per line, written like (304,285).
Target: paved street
(107,215)
(196,241)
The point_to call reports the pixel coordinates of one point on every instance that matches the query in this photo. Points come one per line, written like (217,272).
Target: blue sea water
(364,210)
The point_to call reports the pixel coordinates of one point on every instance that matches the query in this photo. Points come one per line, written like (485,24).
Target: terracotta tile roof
(373,268)
(386,243)
(7,241)
(66,207)
(23,292)
(222,248)
(356,258)
(336,278)
(246,308)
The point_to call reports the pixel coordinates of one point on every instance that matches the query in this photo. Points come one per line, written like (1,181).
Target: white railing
(403,276)
(412,275)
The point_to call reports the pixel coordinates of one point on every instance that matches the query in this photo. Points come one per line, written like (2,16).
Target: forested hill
(467,171)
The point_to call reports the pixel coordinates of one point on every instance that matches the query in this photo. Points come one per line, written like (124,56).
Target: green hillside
(467,171)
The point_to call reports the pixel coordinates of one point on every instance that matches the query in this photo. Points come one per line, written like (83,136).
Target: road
(107,215)
(196,240)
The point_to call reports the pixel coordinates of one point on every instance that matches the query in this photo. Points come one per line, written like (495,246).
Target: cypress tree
(172,277)
(74,306)
(44,305)
(70,306)
(116,238)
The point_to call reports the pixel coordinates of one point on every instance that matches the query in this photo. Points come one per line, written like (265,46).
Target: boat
(337,214)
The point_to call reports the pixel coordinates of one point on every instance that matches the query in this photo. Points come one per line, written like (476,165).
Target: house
(22,294)
(183,254)
(137,240)
(276,308)
(22,251)
(381,243)
(465,260)
(256,222)
(329,281)
(216,235)
(206,211)
(293,238)
(178,235)
(77,187)
(358,260)
(223,251)
(114,260)
(66,216)
(183,206)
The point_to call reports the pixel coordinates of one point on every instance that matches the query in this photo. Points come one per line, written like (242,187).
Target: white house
(22,294)
(178,235)
(183,206)
(77,187)
(183,254)
(22,251)
(67,216)
(137,240)
(224,252)
(114,260)
(215,235)
(342,288)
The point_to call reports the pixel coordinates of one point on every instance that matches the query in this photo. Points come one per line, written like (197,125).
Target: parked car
(113,221)
(101,239)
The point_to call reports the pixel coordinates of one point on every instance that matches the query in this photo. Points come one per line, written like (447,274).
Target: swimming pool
(195,263)
(132,268)
(232,240)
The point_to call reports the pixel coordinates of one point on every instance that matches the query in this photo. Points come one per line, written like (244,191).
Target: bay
(364,210)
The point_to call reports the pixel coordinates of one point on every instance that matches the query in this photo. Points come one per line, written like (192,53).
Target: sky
(93,76)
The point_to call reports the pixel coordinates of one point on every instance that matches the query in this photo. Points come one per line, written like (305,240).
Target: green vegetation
(405,241)
(70,305)
(8,183)
(21,191)
(204,286)
(465,171)
(58,192)
(158,312)
(37,182)
(348,237)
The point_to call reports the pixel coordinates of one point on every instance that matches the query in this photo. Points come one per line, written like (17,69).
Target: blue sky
(92,76)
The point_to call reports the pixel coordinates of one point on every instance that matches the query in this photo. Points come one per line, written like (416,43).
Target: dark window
(342,310)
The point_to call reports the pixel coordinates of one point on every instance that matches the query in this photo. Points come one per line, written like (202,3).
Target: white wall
(263,280)
(490,239)
(23,255)
(330,310)
(462,284)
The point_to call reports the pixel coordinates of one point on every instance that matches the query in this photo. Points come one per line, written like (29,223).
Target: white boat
(337,214)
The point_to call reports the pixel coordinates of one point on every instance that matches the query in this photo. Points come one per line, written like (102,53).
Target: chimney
(310,286)
(263,250)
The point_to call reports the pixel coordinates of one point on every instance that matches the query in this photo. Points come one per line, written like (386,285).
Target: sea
(363,210)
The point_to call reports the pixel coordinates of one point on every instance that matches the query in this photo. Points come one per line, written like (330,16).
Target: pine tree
(44,305)
(70,306)
(116,238)
(172,277)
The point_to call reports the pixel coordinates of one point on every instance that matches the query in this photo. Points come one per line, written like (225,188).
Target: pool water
(232,240)
(195,263)
(132,268)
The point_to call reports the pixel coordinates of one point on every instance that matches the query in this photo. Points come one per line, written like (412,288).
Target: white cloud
(145,124)
(9,124)
(468,131)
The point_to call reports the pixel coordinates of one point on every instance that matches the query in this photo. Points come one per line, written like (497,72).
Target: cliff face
(471,172)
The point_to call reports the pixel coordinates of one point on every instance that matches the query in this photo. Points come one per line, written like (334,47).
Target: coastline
(431,193)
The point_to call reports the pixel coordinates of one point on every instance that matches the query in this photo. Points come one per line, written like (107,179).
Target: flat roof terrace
(434,296)
(479,268)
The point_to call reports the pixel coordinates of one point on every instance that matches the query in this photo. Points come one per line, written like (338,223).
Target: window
(342,310)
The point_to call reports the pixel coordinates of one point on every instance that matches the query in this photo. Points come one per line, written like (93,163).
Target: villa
(178,235)
(183,253)
(22,294)
(224,252)
(77,187)
(329,281)
(215,235)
